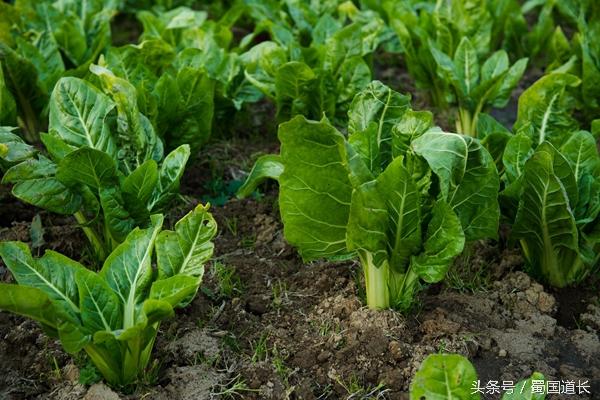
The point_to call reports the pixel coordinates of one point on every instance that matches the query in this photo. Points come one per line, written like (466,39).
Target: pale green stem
(376,282)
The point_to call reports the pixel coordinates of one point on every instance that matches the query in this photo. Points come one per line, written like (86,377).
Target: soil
(278,328)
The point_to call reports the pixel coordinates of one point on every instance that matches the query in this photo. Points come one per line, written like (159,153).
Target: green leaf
(524,390)
(197,90)
(16,149)
(266,167)
(137,140)
(412,125)
(444,241)
(581,152)
(547,106)
(444,376)
(137,189)
(466,66)
(517,152)
(87,166)
(30,169)
(55,146)
(185,250)
(445,66)
(494,66)
(100,307)
(294,90)
(403,203)
(545,223)
(53,274)
(499,98)
(176,290)
(128,269)
(82,116)
(373,114)
(8,107)
(468,180)
(494,137)
(117,219)
(369,224)
(261,64)
(48,193)
(29,302)
(169,176)
(314,173)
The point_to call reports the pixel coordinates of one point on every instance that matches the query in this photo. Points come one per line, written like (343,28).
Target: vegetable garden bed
(353,239)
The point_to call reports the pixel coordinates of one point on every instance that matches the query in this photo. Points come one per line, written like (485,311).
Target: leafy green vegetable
(12,148)
(42,41)
(444,376)
(401,195)
(445,48)
(316,60)
(103,165)
(452,376)
(113,315)
(550,177)
(524,390)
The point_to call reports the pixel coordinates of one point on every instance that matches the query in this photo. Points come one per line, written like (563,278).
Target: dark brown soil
(279,328)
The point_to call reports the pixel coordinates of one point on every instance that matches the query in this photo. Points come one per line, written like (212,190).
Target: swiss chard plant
(186,71)
(580,56)
(551,173)
(450,53)
(318,57)
(103,162)
(398,193)
(114,314)
(41,41)
(452,376)
(476,86)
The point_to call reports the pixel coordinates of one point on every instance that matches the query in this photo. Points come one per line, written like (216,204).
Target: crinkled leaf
(444,241)
(82,116)
(545,223)
(314,173)
(87,166)
(372,115)
(468,180)
(547,106)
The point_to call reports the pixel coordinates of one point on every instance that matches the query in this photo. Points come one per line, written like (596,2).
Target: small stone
(395,349)
(99,391)
(546,302)
(532,296)
(502,353)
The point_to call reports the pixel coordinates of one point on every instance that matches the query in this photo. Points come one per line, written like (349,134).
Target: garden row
(104,132)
